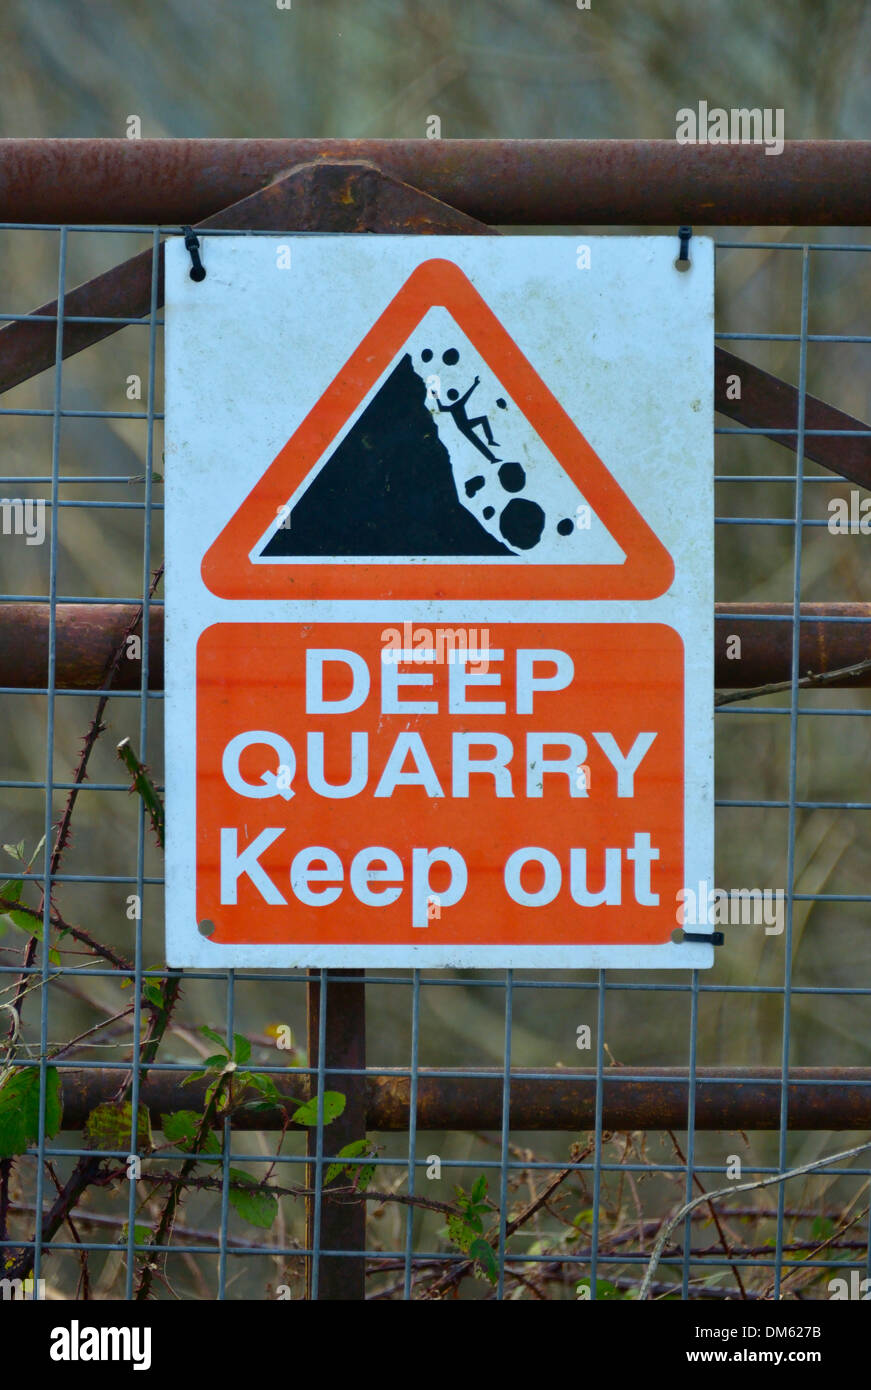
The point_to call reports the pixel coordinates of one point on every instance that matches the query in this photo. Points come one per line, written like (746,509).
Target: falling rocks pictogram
(387,489)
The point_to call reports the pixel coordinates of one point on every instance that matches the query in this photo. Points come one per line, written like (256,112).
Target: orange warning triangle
(230,572)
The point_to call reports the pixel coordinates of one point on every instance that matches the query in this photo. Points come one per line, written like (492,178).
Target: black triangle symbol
(387,488)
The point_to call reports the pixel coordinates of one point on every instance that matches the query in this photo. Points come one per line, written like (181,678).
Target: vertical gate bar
(342,1224)
(691,1130)
(133,1195)
(48,854)
(408,1275)
(597,1138)
(504,1151)
(226,1147)
(316,1050)
(793,763)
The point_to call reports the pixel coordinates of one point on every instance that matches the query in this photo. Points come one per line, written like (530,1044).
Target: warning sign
(439,601)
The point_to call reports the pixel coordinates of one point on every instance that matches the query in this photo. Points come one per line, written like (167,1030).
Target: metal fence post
(342,1223)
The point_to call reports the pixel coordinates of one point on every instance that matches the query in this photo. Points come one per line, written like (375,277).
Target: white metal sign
(439,641)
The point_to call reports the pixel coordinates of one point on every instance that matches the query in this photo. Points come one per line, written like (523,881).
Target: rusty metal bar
(836,1098)
(833,635)
(771,404)
(342,1227)
(507,182)
(87,637)
(322,198)
(337,197)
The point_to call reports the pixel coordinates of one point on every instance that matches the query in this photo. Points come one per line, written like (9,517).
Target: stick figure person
(457,409)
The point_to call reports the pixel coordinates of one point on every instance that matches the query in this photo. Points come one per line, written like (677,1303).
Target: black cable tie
(714,938)
(684,233)
(192,244)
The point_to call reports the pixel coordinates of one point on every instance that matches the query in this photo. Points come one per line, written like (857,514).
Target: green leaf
(181,1127)
(365,1174)
(12,889)
(31,926)
(223,1099)
(354,1150)
(217,1059)
(141,1234)
(822,1228)
(214,1037)
(19,1109)
(194,1076)
(34,854)
(481,1252)
(264,1083)
(241,1048)
(307,1114)
(255,1204)
(154,995)
(359,1146)
(16,851)
(143,784)
(362,1173)
(460,1232)
(479,1191)
(24,922)
(110,1125)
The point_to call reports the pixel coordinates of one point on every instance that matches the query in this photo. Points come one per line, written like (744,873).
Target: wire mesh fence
(518,1134)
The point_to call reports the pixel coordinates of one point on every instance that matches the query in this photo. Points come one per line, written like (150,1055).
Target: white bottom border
(693,955)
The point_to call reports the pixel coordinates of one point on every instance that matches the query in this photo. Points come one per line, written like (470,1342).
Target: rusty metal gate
(466,1073)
